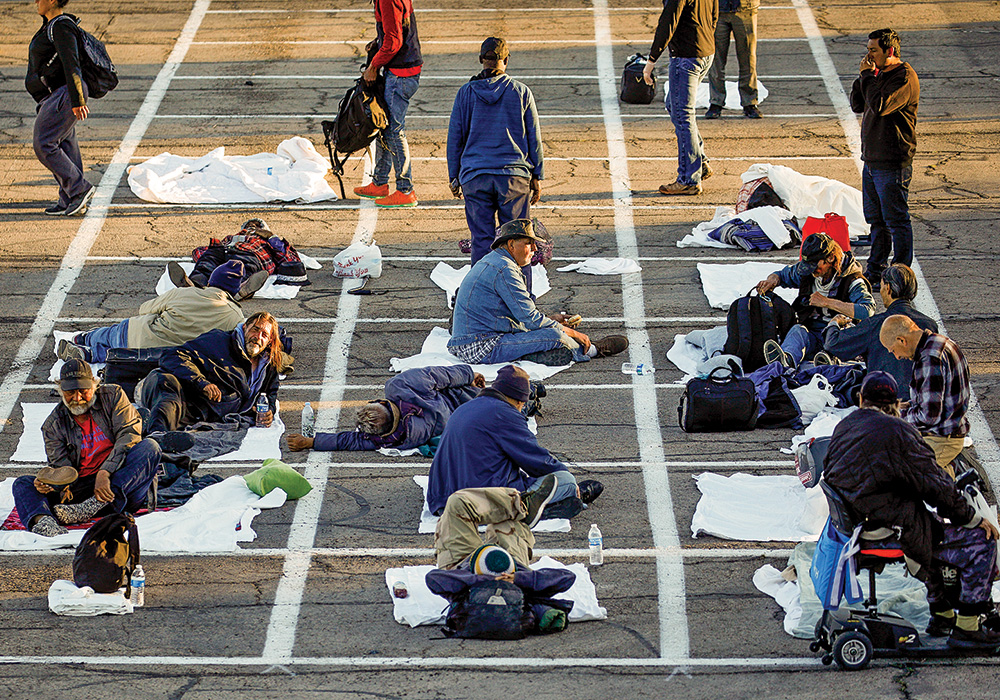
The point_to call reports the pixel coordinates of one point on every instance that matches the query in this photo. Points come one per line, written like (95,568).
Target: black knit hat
(513,383)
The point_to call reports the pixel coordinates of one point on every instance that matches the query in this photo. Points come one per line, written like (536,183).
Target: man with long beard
(217,374)
(97,460)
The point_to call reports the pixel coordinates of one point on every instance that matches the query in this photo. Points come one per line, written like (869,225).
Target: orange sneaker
(372,191)
(397,200)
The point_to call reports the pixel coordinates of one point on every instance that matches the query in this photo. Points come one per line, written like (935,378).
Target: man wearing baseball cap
(97,461)
(830,282)
(496,319)
(494,148)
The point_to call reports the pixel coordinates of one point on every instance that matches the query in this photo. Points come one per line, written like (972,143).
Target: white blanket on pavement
(65,598)
(421,607)
(758,508)
(295,173)
(449,279)
(602,266)
(435,353)
(723,284)
(206,523)
(428,521)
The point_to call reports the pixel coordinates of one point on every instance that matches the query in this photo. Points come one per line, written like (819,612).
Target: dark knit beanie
(879,388)
(513,383)
(228,277)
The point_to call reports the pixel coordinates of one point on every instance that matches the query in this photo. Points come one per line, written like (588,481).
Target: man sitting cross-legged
(97,460)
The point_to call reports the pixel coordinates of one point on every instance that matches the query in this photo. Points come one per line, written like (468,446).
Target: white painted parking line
(93,221)
(443,116)
(460,10)
(460,77)
(464,42)
(326,320)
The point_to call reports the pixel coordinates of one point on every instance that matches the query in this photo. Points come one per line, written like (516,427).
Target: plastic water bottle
(138,583)
(308,421)
(596,545)
(640,369)
(262,408)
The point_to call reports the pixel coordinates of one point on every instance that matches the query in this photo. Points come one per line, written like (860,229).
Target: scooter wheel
(814,647)
(853,650)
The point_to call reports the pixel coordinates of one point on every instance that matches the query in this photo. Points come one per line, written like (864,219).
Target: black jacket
(886,472)
(687,27)
(44,78)
(112,412)
(888,105)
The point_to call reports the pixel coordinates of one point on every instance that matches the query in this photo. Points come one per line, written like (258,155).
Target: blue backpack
(98,69)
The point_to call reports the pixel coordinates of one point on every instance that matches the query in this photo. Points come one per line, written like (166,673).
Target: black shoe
(252,285)
(590,490)
(991,621)
(714,112)
(56,209)
(940,626)
(177,275)
(825,358)
(175,441)
(536,498)
(67,350)
(612,345)
(78,205)
(751,112)
(980,639)
(566,508)
(774,353)
(533,406)
(556,357)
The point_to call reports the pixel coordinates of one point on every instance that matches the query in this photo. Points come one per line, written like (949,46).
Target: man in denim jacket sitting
(496,319)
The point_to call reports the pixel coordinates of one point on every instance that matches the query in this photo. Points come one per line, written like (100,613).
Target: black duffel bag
(720,402)
(634,88)
(126,366)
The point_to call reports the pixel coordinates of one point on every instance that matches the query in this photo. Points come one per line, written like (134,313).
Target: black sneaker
(556,357)
(252,285)
(590,490)
(714,112)
(774,353)
(78,205)
(566,508)
(177,275)
(940,626)
(56,209)
(980,639)
(612,345)
(535,499)
(825,358)
(751,112)
(533,406)
(67,350)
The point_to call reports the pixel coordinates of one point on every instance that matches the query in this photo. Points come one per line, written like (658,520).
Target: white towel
(66,599)
(724,284)
(602,266)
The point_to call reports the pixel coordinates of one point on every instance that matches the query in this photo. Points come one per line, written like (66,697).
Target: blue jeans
(514,346)
(684,75)
(491,201)
(801,343)
(884,195)
(565,486)
(100,340)
(396,152)
(55,144)
(129,484)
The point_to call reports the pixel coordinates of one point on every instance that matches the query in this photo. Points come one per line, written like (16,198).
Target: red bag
(833,225)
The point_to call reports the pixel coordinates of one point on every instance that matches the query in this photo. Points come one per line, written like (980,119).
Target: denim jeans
(565,486)
(743,27)
(100,340)
(491,201)
(514,346)
(884,195)
(55,143)
(396,152)
(801,343)
(684,76)
(129,484)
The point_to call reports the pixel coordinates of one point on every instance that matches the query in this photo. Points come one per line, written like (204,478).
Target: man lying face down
(97,460)
(495,315)
(487,443)
(417,404)
(217,374)
(886,474)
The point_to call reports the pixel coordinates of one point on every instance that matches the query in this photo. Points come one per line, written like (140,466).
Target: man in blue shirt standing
(494,148)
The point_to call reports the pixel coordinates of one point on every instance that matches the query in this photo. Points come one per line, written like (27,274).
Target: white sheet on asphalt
(723,283)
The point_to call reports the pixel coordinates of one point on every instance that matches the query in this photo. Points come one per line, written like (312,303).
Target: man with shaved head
(939,390)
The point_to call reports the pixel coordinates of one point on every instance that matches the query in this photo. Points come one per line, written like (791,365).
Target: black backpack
(107,554)
(752,320)
(360,119)
(634,88)
(98,69)
(489,610)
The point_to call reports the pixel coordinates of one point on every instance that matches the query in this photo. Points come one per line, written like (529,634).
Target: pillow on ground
(275,474)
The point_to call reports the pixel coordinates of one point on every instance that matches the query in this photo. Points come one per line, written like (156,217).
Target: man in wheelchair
(888,476)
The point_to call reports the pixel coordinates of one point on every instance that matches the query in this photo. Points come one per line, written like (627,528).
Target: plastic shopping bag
(814,397)
(358,260)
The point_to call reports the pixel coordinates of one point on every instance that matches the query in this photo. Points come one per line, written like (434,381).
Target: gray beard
(253,350)
(79,409)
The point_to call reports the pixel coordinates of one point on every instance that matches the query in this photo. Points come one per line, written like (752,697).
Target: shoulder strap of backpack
(744,327)
(48,29)
(767,320)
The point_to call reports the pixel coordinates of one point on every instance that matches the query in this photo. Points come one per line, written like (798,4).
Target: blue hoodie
(494,130)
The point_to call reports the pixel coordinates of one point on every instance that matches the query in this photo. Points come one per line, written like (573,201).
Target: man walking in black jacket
(886,93)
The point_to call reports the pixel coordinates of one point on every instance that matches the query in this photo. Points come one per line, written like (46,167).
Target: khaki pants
(500,509)
(945,450)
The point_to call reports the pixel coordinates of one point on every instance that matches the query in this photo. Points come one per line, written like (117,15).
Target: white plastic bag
(814,397)
(358,260)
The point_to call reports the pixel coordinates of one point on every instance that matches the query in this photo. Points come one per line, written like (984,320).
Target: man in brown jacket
(97,460)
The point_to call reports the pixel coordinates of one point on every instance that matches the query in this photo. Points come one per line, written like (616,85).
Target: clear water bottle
(596,545)
(138,584)
(262,408)
(308,421)
(640,369)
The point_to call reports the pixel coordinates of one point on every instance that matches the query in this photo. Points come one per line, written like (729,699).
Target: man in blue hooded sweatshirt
(494,148)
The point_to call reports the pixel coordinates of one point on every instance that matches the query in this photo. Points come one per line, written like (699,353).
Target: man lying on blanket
(487,443)
(417,404)
(830,282)
(495,315)
(97,460)
(215,375)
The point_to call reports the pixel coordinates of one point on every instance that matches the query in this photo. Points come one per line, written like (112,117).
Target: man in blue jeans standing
(887,94)
(687,28)
(397,49)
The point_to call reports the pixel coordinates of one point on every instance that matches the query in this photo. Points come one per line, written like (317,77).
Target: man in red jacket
(396,50)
